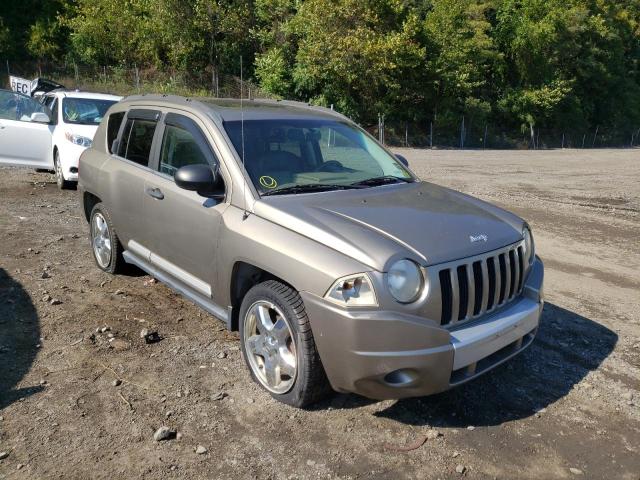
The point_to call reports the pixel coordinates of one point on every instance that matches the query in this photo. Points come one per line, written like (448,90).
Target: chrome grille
(474,286)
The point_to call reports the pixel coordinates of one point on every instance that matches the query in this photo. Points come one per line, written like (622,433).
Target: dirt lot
(567,408)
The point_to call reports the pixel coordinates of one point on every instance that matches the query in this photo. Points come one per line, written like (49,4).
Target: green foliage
(43,40)
(358,55)
(557,64)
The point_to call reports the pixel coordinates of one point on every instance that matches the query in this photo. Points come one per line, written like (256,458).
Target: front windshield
(283,153)
(84,111)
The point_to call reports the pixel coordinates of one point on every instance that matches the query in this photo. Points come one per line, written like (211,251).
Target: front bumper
(69,159)
(385,354)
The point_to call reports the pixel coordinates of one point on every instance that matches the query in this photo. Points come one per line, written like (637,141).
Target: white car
(50,135)
(75,117)
(25,132)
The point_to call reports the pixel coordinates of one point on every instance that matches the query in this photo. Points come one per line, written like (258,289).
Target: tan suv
(291,224)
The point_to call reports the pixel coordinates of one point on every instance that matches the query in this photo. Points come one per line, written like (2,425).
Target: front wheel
(278,346)
(62,183)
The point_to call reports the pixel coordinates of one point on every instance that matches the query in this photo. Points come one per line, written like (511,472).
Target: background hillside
(464,68)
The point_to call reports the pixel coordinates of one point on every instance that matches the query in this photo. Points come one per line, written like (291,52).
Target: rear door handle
(155,193)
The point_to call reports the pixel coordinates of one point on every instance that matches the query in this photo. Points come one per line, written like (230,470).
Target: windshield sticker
(268,182)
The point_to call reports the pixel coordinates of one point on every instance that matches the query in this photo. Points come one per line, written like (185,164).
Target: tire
(277,302)
(99,220)
(62,183)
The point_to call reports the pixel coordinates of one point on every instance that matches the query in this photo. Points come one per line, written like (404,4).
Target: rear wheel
(62,183)
(106,248)
(278,346)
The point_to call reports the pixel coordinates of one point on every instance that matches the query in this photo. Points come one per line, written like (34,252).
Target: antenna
(244,178)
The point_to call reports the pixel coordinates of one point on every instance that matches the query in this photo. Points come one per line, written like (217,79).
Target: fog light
(401,378)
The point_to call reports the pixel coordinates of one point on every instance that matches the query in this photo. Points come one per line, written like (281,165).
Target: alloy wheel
(58,168)
(101,240)
(270,347)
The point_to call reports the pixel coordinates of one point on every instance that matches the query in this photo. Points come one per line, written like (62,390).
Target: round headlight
(405,281)
(529,249)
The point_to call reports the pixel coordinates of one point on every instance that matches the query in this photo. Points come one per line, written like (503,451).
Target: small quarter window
(113,127)
(136,141)
(54,111)
(179,148)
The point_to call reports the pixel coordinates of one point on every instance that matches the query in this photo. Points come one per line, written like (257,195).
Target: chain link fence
(129,80)
(484,135)
(461,134)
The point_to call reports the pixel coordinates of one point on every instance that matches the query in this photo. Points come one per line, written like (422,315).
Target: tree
(465,66)
(358,55)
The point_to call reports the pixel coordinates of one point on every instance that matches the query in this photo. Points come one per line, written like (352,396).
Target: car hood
(422,221)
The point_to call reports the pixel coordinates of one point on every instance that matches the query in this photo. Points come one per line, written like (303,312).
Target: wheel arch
(89,200)
(243,277)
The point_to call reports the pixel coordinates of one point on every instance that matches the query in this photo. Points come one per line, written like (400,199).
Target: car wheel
(278,346)
(105,245)
(62,183)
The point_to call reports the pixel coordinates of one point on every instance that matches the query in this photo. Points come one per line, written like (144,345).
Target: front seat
(280,164)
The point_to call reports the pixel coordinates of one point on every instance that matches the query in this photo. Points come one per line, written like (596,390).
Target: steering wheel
(330,166)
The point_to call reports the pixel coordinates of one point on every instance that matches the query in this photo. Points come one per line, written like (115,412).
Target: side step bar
(203,302)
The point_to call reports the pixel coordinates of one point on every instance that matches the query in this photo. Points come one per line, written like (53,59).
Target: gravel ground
(82,395)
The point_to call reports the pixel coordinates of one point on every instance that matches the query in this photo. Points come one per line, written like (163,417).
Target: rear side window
(113,127)
(137,138)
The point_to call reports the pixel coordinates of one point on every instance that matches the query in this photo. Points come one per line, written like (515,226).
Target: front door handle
(155,193)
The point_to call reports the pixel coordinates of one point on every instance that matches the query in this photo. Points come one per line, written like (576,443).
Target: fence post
(562,147)
(594,136)
(137,77)
(583,139)
(75,70)
(406,134)
(484,140)
(431,135)
(533,136)
(462,134)
(8,70)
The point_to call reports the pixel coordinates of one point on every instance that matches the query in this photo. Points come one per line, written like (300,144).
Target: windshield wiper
(312,187)
(384,180)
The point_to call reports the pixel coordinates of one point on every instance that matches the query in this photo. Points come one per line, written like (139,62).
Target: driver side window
(179,148)
(14,106)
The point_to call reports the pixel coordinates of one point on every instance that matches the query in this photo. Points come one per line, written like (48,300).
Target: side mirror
(40,117)
(202,179)
(403,160)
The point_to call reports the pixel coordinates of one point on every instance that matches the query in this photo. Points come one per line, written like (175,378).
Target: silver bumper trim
(478,341)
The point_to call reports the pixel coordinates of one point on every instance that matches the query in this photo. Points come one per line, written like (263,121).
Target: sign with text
(20,85)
